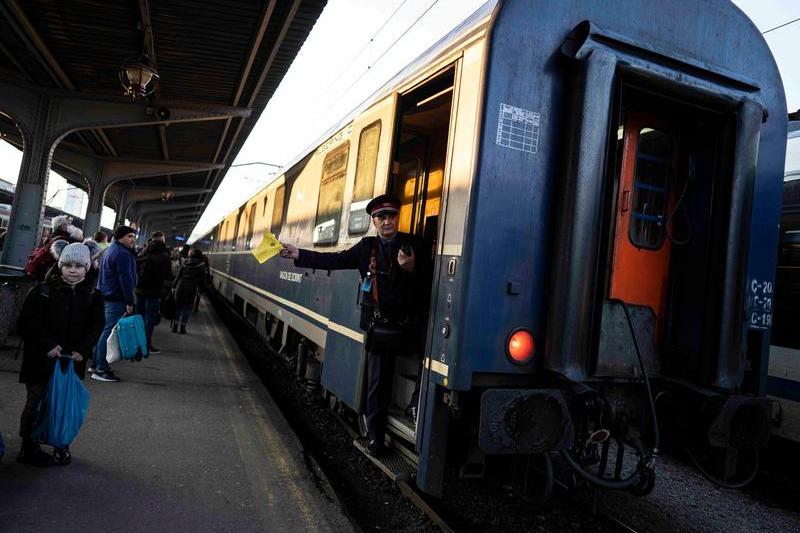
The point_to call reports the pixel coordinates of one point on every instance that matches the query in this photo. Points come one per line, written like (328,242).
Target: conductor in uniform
(394,269)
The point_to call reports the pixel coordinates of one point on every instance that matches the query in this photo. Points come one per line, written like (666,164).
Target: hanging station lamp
(138,78)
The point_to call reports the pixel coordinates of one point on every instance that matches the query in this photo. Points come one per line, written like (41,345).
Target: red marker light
(520,347)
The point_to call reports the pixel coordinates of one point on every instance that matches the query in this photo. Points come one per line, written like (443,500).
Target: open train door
(417,179)
(645,202)
(343,374)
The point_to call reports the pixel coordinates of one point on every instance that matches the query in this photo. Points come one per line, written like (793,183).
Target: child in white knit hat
(62,315)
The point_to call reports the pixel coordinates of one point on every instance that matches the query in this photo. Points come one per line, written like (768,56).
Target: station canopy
(208,53)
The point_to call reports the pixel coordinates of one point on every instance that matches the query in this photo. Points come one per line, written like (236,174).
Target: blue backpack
(132,339)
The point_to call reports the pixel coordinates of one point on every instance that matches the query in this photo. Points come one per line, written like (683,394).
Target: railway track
(418,500)
(433,510)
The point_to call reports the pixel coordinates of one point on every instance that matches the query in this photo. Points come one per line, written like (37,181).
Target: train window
(648,210)
(364,186)
(331,191)
(232,234)
(225,238)
(251,223)
(241,229)
(277,210)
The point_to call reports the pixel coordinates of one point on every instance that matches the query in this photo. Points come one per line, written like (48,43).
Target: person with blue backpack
(60,316)
(117,283)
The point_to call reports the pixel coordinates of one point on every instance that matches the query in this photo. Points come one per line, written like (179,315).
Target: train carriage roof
(741,36)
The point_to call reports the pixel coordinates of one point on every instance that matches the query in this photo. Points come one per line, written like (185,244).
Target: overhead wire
(369,42)
(386,51)
(780,26)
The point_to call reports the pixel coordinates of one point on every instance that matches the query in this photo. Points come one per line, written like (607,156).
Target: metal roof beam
(72,111)
(80,111)
(144,208)
(145,194)
(36,46)
(112,170)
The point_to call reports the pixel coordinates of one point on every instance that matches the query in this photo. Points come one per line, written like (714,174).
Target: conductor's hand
(289,251)
(55,351)
(406,261)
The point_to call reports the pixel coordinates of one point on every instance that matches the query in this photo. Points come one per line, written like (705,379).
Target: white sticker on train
(294,277)
(518,129)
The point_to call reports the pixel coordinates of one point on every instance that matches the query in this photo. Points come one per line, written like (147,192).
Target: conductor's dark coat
(402,295)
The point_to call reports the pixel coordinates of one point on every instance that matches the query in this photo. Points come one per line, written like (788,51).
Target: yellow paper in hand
(268,248)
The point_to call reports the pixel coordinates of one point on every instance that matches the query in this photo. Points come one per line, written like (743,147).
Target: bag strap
(373,269)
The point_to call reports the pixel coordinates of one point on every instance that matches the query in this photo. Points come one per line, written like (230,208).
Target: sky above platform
(343,63)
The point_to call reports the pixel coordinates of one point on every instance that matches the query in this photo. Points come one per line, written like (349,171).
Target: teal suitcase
(132,339)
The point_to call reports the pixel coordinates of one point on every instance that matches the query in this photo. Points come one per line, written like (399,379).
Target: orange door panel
(640,266)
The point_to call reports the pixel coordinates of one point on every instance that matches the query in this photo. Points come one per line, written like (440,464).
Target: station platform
(189,440)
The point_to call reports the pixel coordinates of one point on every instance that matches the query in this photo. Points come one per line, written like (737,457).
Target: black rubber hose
(633,478)
(654,416)
(613,484)
(725,484)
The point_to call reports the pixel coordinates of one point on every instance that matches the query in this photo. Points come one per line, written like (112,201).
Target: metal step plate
(391,462)
(400,425)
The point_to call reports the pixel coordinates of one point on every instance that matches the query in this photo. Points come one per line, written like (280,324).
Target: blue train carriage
(784,357)
(600,184)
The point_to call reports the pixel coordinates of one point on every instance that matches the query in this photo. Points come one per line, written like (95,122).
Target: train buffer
(189,440)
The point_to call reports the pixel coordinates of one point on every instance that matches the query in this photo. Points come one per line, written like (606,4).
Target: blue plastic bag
(60,414)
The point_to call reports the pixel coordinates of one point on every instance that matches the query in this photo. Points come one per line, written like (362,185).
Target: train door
(344,365)
(641,252)
(667,214)
(417,179)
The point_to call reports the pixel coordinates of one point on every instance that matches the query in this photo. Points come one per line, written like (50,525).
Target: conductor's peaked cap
(383,204)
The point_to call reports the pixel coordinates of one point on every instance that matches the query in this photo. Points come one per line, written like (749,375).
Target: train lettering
(294,277)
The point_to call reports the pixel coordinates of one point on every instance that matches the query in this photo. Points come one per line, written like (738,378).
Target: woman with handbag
(62,315)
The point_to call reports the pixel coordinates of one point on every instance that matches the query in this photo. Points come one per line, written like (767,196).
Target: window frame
(648,186)
(339,175)
(277,208)
(251,225)
(357,204)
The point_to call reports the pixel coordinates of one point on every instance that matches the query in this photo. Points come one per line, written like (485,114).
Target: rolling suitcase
(132,339)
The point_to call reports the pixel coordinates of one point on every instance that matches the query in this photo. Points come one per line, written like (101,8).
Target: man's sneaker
(153,349)
(108,375)
(90,368)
